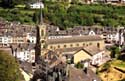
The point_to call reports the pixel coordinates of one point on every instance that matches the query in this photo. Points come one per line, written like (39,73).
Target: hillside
(67,15)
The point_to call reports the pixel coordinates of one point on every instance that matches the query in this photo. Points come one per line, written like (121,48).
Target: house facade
(94,55)
(37,5)
(25,55)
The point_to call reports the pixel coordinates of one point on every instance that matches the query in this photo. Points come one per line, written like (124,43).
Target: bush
(79,65)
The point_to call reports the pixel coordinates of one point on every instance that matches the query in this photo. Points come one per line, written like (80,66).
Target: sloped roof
(74,39)
(80,75)
(92,50)
(73,49)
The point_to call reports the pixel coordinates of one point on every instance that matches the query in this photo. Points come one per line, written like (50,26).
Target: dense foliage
(67,15)
(79,65)
(9,68)
(13,3)
(24,16)
(115,52)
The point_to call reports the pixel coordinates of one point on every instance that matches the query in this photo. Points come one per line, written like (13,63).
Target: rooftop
(92,50)
(74,39)
(80,75)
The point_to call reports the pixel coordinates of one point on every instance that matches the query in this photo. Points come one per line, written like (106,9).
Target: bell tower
(41,36)
(42,31)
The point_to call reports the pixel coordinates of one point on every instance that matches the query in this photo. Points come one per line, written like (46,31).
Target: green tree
(9,3)
(79,65)
(115,52)
(36,17)
(122,79)
(9,68)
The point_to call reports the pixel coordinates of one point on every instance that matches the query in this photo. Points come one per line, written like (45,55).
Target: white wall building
(25,55)
(5,40)
(117,37)
(37,5)
(97,58)
(31,38)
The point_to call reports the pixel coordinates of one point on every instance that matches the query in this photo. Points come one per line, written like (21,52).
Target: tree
(36,17)
(9,3)
(115,52)
(122,79)
(9,68)
(79,65)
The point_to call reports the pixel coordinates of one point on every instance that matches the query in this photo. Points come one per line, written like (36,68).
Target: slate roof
(73,49)
(80,75)
(74,39)
(92,50)
(27,67)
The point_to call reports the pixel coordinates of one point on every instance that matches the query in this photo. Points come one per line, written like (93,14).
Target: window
(77,44)
(90,43)
(58,46)
(83,44)
(65,46)
(98,45)
(51,47)
(42,33)
(71,45)
(0,39)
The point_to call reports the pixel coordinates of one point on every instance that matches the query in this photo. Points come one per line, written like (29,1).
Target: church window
(42,33)
(65,46)
(98,45)
(51,47)
(77,44)
(71,45)
(90,43)
(83,44)
(58,46)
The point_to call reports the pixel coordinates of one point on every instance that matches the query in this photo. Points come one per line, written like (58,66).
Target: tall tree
(9,3)
(9,68)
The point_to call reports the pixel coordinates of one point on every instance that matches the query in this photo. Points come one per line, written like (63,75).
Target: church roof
(74,39)
(92,50)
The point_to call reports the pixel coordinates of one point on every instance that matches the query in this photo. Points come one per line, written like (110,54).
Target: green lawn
(118,63)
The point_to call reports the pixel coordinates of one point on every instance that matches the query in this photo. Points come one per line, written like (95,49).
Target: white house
(27,55)
(31,38)
(91,53)
(5,40)
(117,37)
(37,5)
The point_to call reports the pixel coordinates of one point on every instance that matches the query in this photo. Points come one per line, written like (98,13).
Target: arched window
(77,44)
(90,43)
(42,33)
(65,46)
(83,44)
(71,45)
(58,46)
(98,45)
(51,47)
